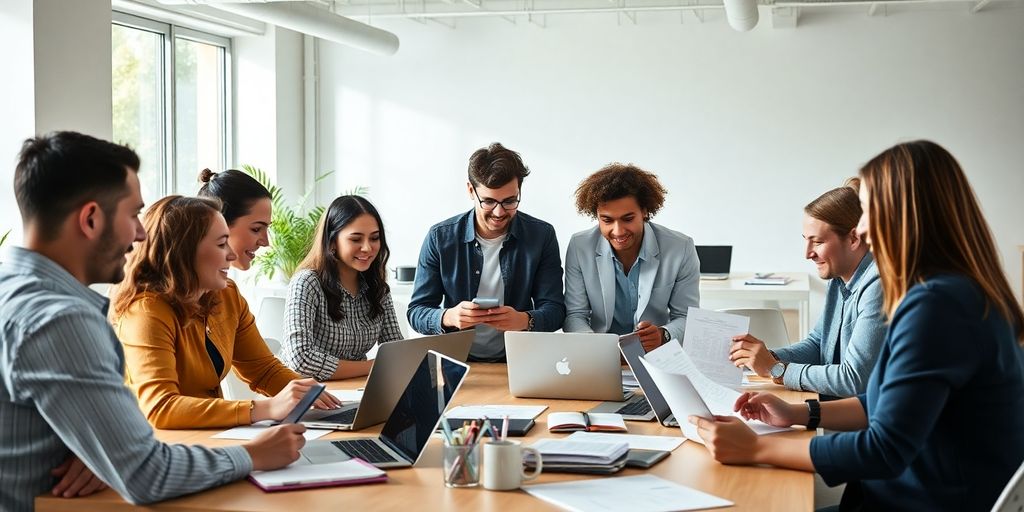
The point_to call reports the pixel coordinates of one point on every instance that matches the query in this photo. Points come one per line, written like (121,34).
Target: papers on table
(298,476)
(708,339)
(251,431)
(564,450)
(347,395)
(689,392)
(629,380)
(643,493)
(514,412)
(635,442)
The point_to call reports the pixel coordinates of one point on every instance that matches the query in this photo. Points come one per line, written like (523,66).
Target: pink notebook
(349,472)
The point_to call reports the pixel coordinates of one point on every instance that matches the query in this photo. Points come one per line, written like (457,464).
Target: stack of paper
(689,392)
(556,451)
(514,412)
(643,493)
(635,442)
(770,281)
(629,381)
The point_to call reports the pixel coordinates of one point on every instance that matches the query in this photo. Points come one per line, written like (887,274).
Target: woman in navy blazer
(941,426)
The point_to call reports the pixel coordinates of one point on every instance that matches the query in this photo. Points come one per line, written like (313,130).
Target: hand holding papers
(689,392)
(708,339)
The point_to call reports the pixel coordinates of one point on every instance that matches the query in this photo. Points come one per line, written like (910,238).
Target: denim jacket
(451,260)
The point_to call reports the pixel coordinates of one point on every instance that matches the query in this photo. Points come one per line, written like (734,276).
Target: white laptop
(715,261)
(413,420)
(391,370)
(575,366)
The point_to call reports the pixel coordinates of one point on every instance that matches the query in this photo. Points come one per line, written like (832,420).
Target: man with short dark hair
(493,251)
(628,274)
(65,410)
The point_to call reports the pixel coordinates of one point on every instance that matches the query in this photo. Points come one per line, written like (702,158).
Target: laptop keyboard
(365,449)
(343,417)
(636,406)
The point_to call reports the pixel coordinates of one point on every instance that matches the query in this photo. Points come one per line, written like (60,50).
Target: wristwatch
(777,371)
(665,335)
(813,414)
(529,323)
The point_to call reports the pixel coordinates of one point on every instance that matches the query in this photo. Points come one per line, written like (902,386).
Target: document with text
(708,340)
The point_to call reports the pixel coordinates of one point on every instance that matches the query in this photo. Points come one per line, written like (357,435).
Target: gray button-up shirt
(853,316)
(63,393)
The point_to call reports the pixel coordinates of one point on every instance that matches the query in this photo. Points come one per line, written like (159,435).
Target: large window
(170,101)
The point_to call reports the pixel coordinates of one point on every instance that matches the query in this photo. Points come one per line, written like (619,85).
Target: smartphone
(486,302)
(307,401)
(644,458)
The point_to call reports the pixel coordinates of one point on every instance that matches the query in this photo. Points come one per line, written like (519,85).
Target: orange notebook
(590,422)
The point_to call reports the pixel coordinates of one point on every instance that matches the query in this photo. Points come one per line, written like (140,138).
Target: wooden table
(422,488)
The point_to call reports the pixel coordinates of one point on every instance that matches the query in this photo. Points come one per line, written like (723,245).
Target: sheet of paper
(638,442)
(629,380)
(671,358)
(708,339)
(347,395)
(642,493)
(251,431)
(514,412)
(309,473)
(682,398)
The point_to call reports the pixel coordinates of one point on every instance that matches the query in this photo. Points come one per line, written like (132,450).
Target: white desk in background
(797,291)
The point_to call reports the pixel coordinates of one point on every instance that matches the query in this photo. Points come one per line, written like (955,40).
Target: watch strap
(813,414)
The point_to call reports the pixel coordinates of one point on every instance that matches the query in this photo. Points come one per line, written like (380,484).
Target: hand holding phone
(307,401)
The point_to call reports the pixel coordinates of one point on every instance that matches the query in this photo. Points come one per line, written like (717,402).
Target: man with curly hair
(628,274)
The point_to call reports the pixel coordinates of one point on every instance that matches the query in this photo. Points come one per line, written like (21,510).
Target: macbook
(415,416)
(715,261)
(635,408)
(391,370)
(575,366)
(632,351)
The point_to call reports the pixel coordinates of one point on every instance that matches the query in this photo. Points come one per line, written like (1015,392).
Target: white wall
(57,70)
(743,128)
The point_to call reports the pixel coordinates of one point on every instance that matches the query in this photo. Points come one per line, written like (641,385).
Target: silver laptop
(391,370)
(715,261)
(574,366)
(415,416)
(635,406)
(632,351)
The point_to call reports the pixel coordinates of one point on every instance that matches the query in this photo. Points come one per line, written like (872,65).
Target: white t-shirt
(490,342)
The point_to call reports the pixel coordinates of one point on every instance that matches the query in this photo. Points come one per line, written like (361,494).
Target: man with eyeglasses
(493,251)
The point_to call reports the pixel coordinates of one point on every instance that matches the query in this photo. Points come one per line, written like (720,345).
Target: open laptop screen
(714,259)
(421,405)
(633,350)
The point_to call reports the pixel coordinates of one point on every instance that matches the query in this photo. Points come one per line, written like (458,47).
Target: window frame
(170,33)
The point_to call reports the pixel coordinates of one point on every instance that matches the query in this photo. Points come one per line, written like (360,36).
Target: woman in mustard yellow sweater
(184,325)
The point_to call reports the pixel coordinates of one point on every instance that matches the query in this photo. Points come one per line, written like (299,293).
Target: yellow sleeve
(252,360)
(151,337)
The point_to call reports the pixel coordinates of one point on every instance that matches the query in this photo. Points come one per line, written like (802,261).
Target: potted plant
(291,230)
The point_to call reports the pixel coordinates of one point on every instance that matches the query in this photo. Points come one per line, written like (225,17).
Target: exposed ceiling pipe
(305,18)
(741,14)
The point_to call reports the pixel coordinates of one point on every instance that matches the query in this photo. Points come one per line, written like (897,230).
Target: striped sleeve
(69,369)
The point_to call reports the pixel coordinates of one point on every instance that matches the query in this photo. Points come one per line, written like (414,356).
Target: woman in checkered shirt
(339,302)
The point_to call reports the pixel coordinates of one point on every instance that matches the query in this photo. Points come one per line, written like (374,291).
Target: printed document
(642,493)
(708,339)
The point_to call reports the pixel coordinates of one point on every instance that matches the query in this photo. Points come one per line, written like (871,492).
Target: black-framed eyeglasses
(490,204)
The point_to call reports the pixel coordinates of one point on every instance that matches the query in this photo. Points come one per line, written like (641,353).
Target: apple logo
(562,366)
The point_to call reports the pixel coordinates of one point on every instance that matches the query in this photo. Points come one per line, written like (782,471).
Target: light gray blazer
(668,285)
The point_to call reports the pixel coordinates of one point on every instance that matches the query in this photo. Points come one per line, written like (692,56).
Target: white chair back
(270,317)
(1012,498)
(234,389)
(766,324)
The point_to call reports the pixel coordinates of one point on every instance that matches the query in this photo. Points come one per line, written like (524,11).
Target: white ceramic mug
(503,465)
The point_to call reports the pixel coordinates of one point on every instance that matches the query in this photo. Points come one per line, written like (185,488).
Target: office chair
(270,317)
(766,324)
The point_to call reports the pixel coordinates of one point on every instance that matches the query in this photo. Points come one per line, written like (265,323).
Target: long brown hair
(165,262)
(322,260)
(924,219)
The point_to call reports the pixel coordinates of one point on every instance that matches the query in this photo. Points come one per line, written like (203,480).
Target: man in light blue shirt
(628,274)
(64,407)
(837,357)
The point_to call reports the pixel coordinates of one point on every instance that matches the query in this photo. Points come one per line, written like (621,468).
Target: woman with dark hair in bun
(246,208)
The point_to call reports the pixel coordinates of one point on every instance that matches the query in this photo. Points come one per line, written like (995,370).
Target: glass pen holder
(461,465)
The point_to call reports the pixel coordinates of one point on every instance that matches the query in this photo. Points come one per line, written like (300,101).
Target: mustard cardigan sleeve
(252,360)
(157,352)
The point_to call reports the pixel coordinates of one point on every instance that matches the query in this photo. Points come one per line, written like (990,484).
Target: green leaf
(4,238)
